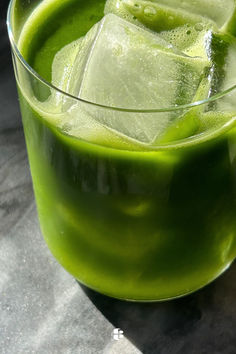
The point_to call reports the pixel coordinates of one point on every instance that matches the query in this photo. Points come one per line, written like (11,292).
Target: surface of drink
(137,205)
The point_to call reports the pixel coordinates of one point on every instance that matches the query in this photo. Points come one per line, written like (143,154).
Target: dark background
(9,112)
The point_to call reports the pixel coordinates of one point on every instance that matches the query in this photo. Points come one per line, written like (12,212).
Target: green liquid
(130,224)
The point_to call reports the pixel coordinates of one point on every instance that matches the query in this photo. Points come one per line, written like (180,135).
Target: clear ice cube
(122,65)
(168,14)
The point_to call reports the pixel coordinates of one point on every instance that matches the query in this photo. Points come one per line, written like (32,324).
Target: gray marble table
(44,310)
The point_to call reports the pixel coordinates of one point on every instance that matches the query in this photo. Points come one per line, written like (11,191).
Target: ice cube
(122,65)
(219,11)
(162,15)
(155,14)
(224,58)
(189,32)
(190,41)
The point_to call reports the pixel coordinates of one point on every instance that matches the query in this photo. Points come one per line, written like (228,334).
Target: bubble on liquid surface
(198,27)
(137,8)
(150,11)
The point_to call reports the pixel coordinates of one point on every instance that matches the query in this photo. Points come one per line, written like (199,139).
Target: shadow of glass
(185,325)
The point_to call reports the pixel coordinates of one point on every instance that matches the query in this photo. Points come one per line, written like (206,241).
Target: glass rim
(128,110)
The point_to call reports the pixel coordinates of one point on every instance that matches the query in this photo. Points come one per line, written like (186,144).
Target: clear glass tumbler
(132,221)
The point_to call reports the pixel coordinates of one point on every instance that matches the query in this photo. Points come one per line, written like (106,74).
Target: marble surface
(44,310)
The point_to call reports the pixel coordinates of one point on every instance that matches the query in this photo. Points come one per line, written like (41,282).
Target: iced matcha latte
(129,112)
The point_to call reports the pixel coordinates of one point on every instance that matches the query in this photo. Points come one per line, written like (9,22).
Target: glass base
(87,287)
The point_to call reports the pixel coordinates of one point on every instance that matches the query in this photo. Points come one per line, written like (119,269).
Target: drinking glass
(132,221)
